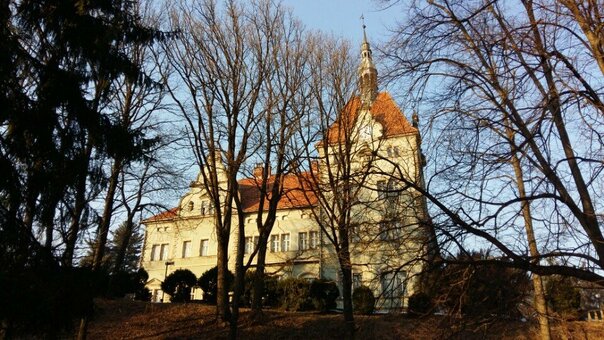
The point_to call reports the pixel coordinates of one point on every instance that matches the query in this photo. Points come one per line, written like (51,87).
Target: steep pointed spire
(367,72)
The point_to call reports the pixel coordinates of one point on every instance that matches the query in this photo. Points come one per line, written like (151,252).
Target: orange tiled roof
(166,215)
(384,110)
(296,193)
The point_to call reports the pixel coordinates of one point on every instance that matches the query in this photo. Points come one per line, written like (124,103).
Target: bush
(363,300)
(143,294)
(294,294)
(208,282)
(323,294)
(45,300)
(270,297)
(483,291)
(563,296)
(271,291)
(179,284)
(419,304)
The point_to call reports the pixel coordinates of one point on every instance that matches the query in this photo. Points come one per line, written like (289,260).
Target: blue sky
(342,17)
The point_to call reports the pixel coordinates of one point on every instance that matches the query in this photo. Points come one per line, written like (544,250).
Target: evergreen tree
(58,62)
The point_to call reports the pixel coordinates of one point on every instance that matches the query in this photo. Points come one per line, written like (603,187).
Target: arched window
(191,205)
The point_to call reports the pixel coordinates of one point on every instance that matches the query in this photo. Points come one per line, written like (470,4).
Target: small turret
(367,73)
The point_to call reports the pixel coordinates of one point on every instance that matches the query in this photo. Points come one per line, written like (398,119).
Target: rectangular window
(393,284)
(357,280)
(284,242)
(186,249)
(155,252)
(302,241)
(354,233)
(274,243)
(203,248)
(164,251)
(203,207)
(314,239)
(384,230)
(249,245)
(382,188)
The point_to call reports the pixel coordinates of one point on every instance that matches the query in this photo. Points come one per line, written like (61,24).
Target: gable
(383,110)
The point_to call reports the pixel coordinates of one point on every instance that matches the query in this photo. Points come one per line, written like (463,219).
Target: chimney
(259,171)
(314,167)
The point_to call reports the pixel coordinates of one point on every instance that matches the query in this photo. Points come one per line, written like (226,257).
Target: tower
(367,74)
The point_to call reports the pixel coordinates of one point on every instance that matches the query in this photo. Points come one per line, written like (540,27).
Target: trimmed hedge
(179,284)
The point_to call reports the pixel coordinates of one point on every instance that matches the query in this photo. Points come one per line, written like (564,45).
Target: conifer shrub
(323,294)
(208,282)
(363,300)
(179,284)
(419,304)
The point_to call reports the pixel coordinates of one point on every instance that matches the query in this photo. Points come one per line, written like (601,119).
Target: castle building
(388,230)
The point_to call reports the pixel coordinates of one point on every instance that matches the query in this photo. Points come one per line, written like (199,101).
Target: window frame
(303,243)
(204,247)
(186,248)
(165,248)
(285,242)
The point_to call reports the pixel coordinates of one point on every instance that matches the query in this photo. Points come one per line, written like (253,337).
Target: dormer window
(191,206)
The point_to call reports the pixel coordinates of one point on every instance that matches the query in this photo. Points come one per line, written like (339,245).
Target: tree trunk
(78,209)
(106,218)
(239,278)
(347,299)
(49,203)
(346,267)
(222,298)
(539,300)
(259,279)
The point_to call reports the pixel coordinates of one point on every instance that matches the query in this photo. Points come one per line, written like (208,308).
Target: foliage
(208,282)
(132,251)
(122,283)
(143,294)
(363,300)
(45,300)
(294,294)
(178,284)
(323,294)
(58,66)
(480,290)
(563,296)
(419,304)
(270,297)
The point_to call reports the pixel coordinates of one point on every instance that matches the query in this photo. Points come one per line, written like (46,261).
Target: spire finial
(364,26)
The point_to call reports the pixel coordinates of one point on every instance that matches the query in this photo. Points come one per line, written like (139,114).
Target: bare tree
(334,174)
(219,68)
(284,101)
(514,157)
